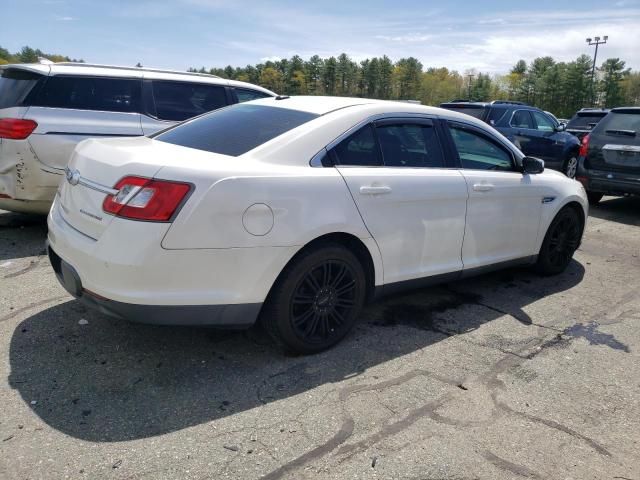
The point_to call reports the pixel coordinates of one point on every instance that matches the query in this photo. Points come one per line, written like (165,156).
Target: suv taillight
(16,128)
(140,198)
(584,146)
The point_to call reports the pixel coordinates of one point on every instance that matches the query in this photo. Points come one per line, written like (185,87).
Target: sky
(488,36)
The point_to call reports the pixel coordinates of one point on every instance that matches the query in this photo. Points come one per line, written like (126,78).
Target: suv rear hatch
(614,144)
(584,121)
(16,85)
(476,110)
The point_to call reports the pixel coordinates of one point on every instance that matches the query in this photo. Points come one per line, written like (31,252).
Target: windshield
(235,130)
(15,85)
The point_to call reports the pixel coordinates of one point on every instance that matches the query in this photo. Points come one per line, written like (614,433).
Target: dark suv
(584,120)
(609,162)
(529,128)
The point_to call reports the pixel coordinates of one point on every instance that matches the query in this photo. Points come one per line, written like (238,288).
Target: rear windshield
(620,124)
(15,85)
(586,121)
(235,130)
(474,111)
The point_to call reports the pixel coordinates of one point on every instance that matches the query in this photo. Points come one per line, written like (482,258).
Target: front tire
(316,300)
(560,242)
(594,197)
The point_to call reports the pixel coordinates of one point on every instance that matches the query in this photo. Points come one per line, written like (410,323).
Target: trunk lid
(95,167)
(615,142)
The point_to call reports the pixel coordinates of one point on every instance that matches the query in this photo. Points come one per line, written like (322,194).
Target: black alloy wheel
(560,242)
(316,300)
(323,300)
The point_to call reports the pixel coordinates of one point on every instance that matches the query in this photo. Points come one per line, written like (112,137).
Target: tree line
(31,55)
(559,87)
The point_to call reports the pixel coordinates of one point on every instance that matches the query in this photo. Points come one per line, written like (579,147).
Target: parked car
(610,155)
(45,110)
(584,120)
(529,128)
(300,209)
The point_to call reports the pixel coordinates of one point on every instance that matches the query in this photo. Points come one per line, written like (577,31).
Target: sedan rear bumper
(228,316)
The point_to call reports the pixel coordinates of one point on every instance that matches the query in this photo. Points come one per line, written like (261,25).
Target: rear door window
(359,149)
(409,145)
(235,130)
(177,101)
(495,115)
(522,119)
(91,93)
(246,95)
(15,86)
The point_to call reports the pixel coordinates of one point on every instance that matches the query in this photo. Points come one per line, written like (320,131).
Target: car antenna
(282,97)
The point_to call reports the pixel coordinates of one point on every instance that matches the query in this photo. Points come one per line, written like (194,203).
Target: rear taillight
(584,146)
(16,128)
(147,199)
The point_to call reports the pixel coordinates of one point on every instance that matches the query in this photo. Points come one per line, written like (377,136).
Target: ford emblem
(73,176)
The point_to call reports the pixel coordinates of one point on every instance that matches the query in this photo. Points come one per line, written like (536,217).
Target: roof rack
(507,102)
(459,100)
(116,67)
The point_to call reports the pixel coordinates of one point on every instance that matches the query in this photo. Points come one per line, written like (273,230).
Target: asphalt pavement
(507,375)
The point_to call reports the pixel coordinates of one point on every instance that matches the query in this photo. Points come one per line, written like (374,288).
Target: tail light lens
(140,198)
(584,146)
(16,128)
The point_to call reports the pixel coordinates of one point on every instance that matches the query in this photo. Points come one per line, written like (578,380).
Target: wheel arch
(361,248)
(573,203)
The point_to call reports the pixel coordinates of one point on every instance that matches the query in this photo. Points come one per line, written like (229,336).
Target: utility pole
(470,76)
(595,41)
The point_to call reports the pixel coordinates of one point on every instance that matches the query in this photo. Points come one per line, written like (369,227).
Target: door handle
(372,190)
(482,187)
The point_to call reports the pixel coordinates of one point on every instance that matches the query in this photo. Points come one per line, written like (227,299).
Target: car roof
(454,103)
(584,112)
(77,68)
(635,110)
(321,105)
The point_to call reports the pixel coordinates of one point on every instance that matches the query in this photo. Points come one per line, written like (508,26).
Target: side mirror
(561,127)
(532,165)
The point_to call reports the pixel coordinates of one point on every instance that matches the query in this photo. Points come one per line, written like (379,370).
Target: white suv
(45,110)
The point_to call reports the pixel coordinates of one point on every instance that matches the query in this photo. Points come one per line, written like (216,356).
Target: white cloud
(272,58)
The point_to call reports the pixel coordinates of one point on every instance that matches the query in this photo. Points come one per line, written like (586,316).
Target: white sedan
(296,211)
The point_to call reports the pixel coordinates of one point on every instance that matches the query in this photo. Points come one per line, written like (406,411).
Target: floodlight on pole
(595,41)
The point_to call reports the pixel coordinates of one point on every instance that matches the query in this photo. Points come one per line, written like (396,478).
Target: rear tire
(594,197)
(316,300)
(560,242)
(570,166)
